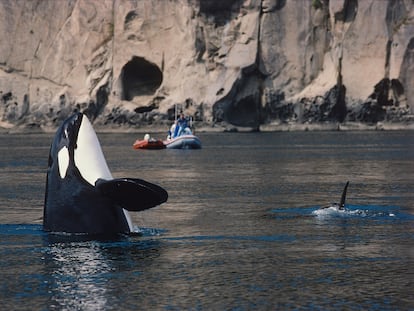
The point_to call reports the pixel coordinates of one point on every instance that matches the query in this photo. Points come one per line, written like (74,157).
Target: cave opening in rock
(140,77)
(244,111)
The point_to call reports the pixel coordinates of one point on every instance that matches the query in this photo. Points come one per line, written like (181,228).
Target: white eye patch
(63,161)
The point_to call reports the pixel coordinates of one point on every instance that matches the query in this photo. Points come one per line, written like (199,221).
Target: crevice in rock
(381,91)
(242,105)
(406,77)
(337,96)
(349,12)
(220,10)
(140,77)
(280,4)
(95,108)
(397,14)
(130,18)
(388,57)
(334,105)
(374,110)
(200,44)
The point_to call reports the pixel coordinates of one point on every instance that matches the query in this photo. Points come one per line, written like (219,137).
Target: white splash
(330,211)
(336,211)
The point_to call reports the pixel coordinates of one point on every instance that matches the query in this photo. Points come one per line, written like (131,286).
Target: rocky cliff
(247,63)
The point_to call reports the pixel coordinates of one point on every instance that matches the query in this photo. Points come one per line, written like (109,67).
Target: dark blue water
(241,229)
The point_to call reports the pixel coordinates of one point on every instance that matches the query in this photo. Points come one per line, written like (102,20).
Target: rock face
(244,63)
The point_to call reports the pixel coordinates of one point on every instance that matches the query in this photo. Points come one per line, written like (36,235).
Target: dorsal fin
(343,197)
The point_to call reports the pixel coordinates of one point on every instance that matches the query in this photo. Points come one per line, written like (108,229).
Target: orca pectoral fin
(132,194)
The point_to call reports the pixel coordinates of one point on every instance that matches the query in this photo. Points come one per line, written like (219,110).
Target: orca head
(76,146)
(72,203)
(81,195)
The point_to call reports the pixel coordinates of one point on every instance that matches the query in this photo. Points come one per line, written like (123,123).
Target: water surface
(240,230)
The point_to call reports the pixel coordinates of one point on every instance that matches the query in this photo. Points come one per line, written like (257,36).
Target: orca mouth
(71,130)
(66,136)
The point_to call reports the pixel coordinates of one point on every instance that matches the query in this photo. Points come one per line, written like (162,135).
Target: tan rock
(251,62)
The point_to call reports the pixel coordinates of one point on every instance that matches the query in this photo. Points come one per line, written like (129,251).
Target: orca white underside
(89,158)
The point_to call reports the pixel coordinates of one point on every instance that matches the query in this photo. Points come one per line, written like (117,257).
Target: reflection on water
(240,230)
(41,270)
(85,274)
(78,272)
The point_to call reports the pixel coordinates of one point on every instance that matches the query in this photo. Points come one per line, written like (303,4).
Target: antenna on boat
(176,108)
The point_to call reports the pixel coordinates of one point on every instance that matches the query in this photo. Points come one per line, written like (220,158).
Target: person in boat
(171,131)
(180,126)
(148,138)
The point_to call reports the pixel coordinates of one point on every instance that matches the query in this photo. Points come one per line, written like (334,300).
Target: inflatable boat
(148,143)
(186,141)
(180,135)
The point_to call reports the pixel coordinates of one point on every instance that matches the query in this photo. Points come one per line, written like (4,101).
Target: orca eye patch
(63,161)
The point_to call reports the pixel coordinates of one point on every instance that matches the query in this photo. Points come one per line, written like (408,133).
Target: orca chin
(81,195)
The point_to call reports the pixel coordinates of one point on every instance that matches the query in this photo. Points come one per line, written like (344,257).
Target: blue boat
(184,141)
(180,136)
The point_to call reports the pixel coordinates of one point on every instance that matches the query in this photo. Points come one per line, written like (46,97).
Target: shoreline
(277,127)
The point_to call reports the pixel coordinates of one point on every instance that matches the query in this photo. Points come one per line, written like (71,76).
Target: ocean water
(242,229)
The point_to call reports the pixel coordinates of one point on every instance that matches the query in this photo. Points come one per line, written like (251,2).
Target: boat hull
(183,142)
(149,144)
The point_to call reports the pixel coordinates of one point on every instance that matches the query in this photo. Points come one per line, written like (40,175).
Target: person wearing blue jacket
(181,125)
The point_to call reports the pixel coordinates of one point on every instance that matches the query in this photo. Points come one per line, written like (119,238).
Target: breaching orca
(341,204)
(81,194)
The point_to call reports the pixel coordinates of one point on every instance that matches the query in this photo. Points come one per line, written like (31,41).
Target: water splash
(147,232)
(350,211)
(363,211)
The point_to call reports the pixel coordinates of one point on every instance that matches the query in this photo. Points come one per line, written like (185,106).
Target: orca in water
(81,194)
(341,204)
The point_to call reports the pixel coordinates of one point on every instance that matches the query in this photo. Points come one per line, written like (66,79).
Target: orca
(81,195)
(341,204)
